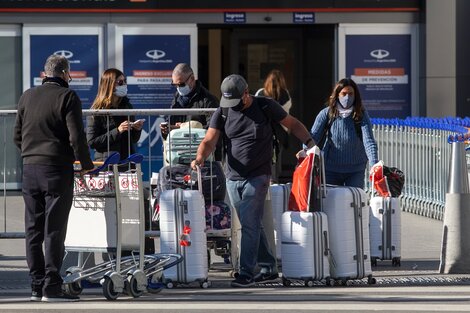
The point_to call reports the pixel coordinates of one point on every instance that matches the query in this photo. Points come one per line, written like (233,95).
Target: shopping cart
(107,215)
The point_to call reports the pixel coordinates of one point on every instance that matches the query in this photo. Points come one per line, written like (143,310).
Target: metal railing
(151,134)
(419,147)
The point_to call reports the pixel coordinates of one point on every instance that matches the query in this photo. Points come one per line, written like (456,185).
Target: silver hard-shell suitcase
(385,230)
(305,247)
(348,222)
(182,231)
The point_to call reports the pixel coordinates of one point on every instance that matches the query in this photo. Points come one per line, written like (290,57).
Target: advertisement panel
(381,61)
(147,55)
(80,45)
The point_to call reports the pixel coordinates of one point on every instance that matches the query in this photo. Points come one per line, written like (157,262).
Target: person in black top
(116,133)
(49,132)
(245,122)
(190,94)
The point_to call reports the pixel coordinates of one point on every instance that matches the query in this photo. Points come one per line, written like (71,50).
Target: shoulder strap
(358,129)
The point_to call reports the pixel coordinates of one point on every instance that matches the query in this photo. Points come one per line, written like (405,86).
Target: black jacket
(49,126)
(201,99)
(97,134)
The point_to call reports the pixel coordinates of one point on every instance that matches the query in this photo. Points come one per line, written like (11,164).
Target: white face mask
(183,91)
(121,91)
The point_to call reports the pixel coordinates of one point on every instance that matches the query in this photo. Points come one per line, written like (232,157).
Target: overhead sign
(235,18)
(304,18)
(201,5)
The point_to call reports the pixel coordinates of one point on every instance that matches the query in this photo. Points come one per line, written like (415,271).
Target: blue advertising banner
(82,51)
(381,66)
(148,62)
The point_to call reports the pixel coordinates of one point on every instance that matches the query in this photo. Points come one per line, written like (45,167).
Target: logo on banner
(67,54)
(379,56)
(156,56)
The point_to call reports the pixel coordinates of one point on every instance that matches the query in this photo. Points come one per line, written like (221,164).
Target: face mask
(183,91)
(346,101)
(238,107)
(121,91)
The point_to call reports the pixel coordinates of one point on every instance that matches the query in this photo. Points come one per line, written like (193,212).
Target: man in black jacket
(49,132)
(190,94)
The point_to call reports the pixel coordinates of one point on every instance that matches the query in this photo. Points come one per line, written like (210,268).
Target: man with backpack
(244,121)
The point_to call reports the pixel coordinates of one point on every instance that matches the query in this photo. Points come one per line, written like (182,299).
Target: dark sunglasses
(121,82)
(183,83)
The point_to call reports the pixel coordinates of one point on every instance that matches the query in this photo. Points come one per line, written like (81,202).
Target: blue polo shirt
(248,137)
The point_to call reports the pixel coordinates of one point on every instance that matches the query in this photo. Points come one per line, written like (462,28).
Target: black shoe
(243,282)
(59,297)
(36,295)
(266,277)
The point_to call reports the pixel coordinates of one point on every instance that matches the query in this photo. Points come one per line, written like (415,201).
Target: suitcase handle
(199,178)
(325,244)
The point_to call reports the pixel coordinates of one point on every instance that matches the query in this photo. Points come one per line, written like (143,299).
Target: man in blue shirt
(245,123)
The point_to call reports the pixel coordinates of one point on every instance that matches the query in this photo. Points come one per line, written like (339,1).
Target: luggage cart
(107,215)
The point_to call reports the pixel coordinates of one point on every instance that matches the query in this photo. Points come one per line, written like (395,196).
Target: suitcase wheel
(286,282)
(170,285)
(373,261)
(234,274)
(309,283)
(371,280)
(205,284)
(396,261)
(329,282)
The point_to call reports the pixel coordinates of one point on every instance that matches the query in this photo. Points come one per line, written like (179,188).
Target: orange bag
(306,184)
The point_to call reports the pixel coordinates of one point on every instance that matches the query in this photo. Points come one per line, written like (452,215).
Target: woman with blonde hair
(114,133)
(275,87)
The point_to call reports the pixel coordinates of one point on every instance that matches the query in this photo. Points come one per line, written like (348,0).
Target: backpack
(276,143)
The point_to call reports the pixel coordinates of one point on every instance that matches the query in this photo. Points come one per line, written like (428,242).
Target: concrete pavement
(416,286)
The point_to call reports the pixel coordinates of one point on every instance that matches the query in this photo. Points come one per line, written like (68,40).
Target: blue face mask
(346,101)
(183,91)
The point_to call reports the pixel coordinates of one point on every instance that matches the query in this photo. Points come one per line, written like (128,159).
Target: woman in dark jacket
(107,134)
(115,133)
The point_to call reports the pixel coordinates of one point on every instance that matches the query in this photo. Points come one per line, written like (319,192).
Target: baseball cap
(232,89)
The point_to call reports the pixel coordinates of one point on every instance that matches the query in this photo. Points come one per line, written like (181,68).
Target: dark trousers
(48,194)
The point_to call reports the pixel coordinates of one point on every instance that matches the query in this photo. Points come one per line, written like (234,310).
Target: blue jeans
(247,197)
(355,179)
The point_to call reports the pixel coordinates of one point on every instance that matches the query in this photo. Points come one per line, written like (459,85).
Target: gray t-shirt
(249,137)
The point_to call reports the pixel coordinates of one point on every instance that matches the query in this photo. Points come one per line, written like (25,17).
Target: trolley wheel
(73,289)
(286,282)
(170,285)
(204,284)
(108,289)
(233,273)
(347,283)
(308,283)
(371,280)
(131,287)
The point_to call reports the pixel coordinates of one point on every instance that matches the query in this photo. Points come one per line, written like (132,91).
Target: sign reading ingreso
(234,18)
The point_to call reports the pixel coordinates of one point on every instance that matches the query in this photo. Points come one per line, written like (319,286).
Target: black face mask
(238,107)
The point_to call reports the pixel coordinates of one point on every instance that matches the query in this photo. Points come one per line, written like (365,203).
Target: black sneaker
(243,282)
(266,277)
(60,297)
(36,295)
